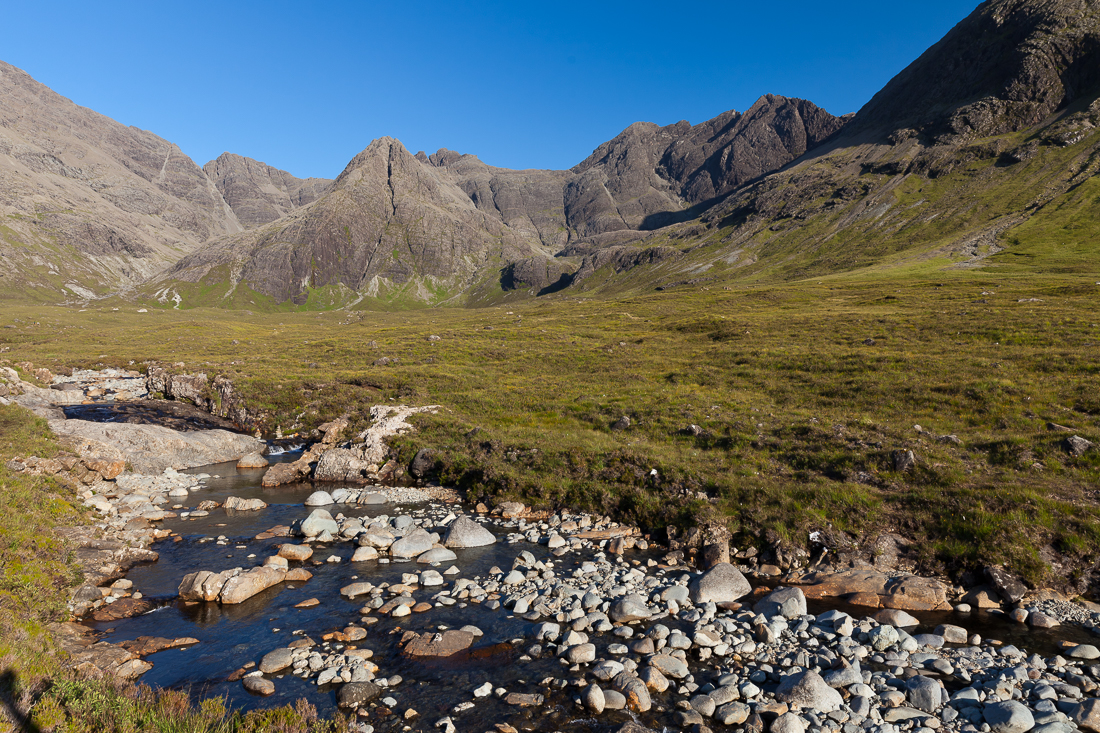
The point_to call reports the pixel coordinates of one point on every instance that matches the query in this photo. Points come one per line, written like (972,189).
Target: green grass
(800,416)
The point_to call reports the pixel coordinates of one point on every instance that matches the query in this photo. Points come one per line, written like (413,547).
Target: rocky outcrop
(153,448)
(258,193)
(1008,66)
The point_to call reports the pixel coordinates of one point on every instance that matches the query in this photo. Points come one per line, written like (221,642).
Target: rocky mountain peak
(259,193)
(1006,67)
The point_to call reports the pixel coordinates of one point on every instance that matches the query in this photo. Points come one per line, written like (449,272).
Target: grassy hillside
(799,412)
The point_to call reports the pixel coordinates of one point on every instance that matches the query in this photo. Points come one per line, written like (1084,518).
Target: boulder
(436,554)
(593,699)
(785,602)
(151,449)
(629,608)
(343,464)
(300,553)
(253,460)
(317,522)
(1007,585)
(924,693)
(807,689)
(236,503)
(788,723)
(259,685)
(1008,717)
(896,618)
(721,584)
(634,690)
(1086,715)
(422,463)
(414,544)
(444,644)
(354,694)
(319,498)
(242,587)
(276,661)
(465,532)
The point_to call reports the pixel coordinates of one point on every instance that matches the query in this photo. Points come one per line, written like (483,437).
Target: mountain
(89,204)
(449,228)
(981,153)
(259,193)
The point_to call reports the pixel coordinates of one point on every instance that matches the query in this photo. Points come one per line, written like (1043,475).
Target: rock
(1087,714)
(362,554)
(654,679)
(356,589)
(150,449)
(298,575)
(628,609)
(242,587)
(511,509)
(721,584)
(896,618)
(903,460)
(621,424)
(785,602)
(581,654)
(300,553)
(253,460)
(844,675)
(883,637)
(734,713)
(319,498)
(1008,717)
(669,666)
(317,522)
(593,699)
(354,694)
(807,689)
(414,544)
(422,463)
(715,553)
(1075,445)
(924,693)
(436,554)
(1084,651)
(343,465)
(788,723)
(276,661)
(235,503)
(951,634)
(634,690)
(279,474)
(259,686)
(465,532)
(523,699)
(1040,620)
(1007,585)
(443,644)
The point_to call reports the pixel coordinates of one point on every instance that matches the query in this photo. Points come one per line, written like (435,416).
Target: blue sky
(305,86)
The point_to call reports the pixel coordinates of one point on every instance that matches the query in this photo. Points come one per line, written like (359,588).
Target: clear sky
(304,86)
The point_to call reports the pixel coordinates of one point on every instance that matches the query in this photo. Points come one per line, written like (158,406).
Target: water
(231,636)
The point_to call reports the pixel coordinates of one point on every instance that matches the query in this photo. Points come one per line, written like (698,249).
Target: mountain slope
(89,204)
(259,193)
(388,226)
(456,229)
(979,154)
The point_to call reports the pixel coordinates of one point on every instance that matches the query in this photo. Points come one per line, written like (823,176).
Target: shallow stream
(232,636)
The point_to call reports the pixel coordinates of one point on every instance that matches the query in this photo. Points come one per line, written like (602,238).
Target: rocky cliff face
(389,222)
(89,204)
(431,226)
(259,193)
(1006,67)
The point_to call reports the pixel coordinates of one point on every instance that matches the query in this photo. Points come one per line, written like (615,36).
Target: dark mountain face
(1006,67)
(259,193)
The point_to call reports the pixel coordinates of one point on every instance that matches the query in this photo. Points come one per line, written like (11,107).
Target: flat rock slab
(146,645)
(438,645)
(151,449)
(123,608)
